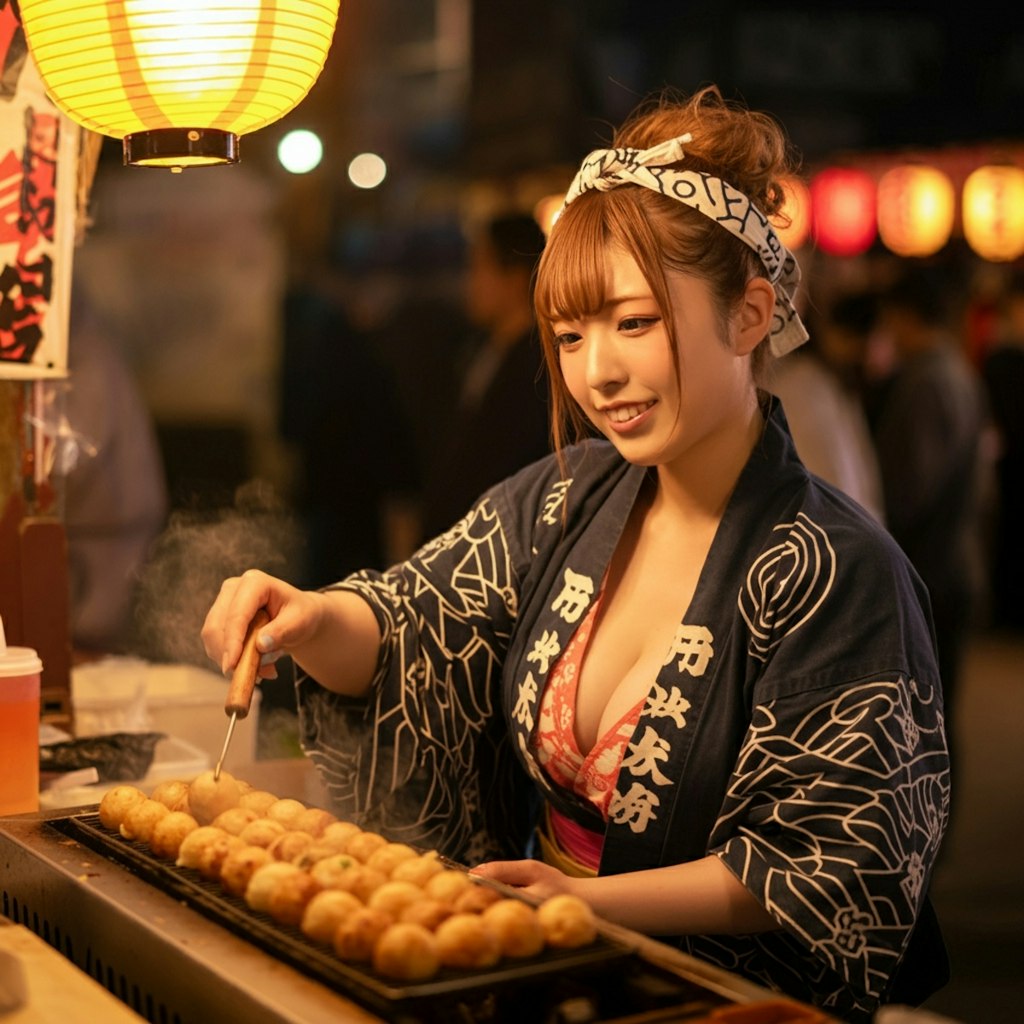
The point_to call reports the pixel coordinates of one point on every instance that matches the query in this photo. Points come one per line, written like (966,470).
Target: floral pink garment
(593,776)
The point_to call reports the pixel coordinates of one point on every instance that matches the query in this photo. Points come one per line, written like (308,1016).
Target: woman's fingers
(518,873)
(533,877)
(294,615)
(212,632)
(268,664)
(228,619)
(511,872)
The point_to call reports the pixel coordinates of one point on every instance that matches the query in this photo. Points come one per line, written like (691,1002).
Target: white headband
(605,169)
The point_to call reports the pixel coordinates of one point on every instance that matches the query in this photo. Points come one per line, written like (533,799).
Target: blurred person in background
(820,389)
(928,430)
(333,383)
(351,481)
(115,498)
(1003,373)
(500,421)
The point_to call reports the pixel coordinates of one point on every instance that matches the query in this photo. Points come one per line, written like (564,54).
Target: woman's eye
(635,324)
(566,339)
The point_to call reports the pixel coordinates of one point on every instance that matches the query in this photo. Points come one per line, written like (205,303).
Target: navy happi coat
(795,729)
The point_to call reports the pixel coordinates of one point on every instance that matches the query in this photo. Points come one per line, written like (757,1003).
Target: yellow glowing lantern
(793,222)
(178,80)
(916,208)
(993,212)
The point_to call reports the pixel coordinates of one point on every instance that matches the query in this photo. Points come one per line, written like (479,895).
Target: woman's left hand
(531,876)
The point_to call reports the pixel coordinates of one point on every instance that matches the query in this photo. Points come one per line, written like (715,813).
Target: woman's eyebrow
(608,304)
(621,300)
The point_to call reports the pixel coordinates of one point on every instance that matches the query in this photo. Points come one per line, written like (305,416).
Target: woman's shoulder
(543,498)
(577,466)
(842,601)
(853,538)
(841,542)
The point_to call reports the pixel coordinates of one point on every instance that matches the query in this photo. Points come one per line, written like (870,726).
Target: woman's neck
(697,487)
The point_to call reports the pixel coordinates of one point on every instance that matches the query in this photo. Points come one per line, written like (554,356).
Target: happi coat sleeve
(795,730)
(428,757)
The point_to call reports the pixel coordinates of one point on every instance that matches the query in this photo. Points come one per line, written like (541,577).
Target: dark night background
(455,93)
(838,75)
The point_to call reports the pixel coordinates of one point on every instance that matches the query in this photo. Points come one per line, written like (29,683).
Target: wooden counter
(40,986)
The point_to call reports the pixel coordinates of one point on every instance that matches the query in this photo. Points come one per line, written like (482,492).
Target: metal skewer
(243,682)
(227,743)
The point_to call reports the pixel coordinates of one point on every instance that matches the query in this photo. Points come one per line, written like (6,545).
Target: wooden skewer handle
(243,679)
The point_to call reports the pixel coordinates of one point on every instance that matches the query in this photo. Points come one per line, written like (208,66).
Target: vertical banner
(38,193)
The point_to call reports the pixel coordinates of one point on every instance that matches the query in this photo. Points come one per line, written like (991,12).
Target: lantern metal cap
(180,147)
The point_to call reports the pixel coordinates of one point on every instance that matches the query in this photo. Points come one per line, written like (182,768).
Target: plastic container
(20,669)
(173,759)
(129,694)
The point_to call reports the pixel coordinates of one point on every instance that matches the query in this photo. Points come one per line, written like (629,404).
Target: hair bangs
(571,278)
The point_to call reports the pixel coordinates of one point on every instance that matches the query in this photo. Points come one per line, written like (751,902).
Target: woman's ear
(753,319)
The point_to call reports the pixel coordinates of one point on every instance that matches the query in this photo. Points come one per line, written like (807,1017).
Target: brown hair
(743,147)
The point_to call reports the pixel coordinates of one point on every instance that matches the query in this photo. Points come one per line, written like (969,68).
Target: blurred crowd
(403,407)
(905,398)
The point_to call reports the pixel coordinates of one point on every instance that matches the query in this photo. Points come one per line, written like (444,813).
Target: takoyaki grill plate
(288,944)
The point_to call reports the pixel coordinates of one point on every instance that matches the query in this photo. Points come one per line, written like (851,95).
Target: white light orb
(367,170)
(300,151)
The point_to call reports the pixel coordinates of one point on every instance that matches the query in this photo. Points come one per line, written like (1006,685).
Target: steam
(192,557)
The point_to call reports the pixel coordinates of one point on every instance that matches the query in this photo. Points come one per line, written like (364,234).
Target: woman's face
(618,367)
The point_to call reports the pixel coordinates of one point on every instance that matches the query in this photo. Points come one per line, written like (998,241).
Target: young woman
(669,671)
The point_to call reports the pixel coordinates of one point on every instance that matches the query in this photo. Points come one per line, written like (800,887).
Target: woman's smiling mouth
(626,415)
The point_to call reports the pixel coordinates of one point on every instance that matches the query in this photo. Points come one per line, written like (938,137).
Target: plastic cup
(20,670)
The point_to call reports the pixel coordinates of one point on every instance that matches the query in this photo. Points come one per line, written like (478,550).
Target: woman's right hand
(331,634)
(295,617)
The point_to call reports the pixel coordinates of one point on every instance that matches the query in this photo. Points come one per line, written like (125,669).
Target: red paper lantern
(916,207)
(993,212)
(843,210)
(793,222)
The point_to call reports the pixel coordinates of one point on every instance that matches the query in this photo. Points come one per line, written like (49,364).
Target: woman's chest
(647,593)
